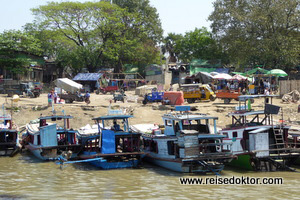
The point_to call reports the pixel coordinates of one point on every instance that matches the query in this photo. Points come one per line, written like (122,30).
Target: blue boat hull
(114,165)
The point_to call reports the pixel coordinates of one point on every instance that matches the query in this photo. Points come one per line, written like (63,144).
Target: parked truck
(21,88)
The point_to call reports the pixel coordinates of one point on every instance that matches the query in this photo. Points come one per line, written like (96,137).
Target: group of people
(53,97)
(264,86)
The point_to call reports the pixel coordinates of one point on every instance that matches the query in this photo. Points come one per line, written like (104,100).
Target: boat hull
(250,162)
(10,151)
(102,164)
(184,167)
(47,154)
(242,162)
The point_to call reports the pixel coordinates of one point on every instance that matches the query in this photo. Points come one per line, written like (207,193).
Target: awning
(87,76)
(67,85)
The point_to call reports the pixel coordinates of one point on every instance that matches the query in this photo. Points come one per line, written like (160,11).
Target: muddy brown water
(25,177)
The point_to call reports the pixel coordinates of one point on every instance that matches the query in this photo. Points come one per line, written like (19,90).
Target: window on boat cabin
(177,127)
(171,150)
(234,134)
(195,125)
(115,124)
(225,133)
(39,140)
(169,122)
(153,147)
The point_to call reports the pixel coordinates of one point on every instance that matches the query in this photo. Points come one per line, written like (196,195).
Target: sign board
(182,108)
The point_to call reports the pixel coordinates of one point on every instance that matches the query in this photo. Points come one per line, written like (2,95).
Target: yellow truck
(193,92)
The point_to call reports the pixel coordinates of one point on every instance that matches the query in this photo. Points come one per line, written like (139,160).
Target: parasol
(277,72)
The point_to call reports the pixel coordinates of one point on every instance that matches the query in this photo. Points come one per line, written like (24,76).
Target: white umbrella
(238,77)
(222,76)
(214,73)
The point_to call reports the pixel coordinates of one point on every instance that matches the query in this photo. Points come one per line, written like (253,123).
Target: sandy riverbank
(32,108)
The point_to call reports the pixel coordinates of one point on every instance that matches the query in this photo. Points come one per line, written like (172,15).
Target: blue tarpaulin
(87,76)
(108,142)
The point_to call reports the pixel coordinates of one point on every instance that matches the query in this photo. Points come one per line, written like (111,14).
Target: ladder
(278,135)
(278,139)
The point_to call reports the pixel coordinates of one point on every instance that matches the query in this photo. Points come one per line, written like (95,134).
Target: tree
(171,46)
(264,32)
(13,42)
(199,44)
(95,33)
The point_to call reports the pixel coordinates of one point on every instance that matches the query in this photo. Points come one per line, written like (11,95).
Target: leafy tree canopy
(264,32)
(197,44)
(14,42)
(95,34)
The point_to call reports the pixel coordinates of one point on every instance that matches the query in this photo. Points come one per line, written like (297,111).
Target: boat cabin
(255,131)
(51,134)
(187,135)
(114,136)
(8,136)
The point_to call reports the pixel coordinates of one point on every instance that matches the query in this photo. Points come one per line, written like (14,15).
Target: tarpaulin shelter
(199,65)
(67,85)
(222,76)
(200,77)
(89,80)
(87,77)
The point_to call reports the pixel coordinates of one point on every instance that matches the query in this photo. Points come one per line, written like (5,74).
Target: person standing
(87,97)
(50,98)
(55,96)
(267,92)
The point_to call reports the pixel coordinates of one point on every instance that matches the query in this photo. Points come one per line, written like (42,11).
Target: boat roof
(200,136)
(5,117)
(194,85)
(246,97)
(258,112)
(6,130)
(188,116)
(57,117)
(259,130)
(108,117)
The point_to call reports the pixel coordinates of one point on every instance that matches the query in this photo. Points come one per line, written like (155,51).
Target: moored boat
(113,146)
(257,141)
(49,141)
(9,140)
(187,143)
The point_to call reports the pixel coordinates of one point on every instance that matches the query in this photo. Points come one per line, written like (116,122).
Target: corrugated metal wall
(286,86)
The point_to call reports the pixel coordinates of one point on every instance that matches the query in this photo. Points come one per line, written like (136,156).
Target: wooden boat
(258,142)
(49,141)
(187,143)
(9,140)
(111,147)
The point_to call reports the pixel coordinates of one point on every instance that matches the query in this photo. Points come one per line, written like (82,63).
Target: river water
(25,177)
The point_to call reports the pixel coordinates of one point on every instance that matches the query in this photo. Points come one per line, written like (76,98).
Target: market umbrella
(214,73)
(238,77)
(257,70)
(240,73)
(222,76)
(277,72)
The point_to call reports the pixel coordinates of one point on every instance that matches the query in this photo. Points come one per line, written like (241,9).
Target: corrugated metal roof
(87,76)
